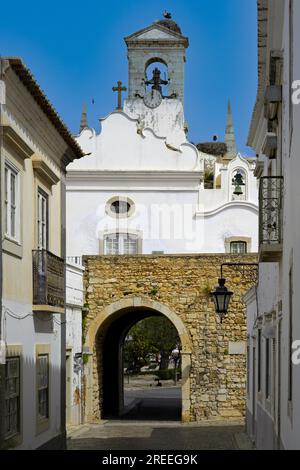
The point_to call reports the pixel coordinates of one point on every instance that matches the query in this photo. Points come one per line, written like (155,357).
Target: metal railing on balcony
(270,210)
(48,279)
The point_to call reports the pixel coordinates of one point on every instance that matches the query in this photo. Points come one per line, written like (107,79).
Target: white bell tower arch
(161,42)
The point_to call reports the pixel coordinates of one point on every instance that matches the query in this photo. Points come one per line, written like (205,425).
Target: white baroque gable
(123,146)
(166,121)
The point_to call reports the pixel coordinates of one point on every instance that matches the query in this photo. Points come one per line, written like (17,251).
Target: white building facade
(142,189)
(74,327)
(35,147)
(273,416)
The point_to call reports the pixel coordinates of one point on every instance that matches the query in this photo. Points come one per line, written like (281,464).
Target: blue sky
(75,50)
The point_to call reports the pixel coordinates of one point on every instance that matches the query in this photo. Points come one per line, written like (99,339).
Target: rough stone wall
(182,283)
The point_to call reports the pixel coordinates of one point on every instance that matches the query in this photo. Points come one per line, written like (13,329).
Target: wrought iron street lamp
(221,297)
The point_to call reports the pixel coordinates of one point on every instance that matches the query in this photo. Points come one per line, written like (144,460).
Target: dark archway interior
(109,346)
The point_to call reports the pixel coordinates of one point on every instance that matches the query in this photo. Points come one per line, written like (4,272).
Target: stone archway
(178,287)
(131,310)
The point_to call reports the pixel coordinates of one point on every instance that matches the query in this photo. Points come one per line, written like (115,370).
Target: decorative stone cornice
(41,167)
(115,175)
(228,205)
(250,296)
(259,169)
(262,8)
(90,180)
(14,139)
(172,37)
(40,98)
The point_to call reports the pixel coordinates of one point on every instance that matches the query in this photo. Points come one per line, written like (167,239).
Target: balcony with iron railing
(48,282)
(270,218)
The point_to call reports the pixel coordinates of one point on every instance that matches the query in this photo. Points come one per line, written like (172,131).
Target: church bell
(238,182)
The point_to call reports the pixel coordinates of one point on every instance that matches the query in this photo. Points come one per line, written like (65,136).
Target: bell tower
(162,43)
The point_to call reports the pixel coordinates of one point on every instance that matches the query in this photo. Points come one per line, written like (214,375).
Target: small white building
(273,408)
(144,188)
(74,331)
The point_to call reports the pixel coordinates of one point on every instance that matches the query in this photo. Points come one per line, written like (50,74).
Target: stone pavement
(154,404)
(138,435)
(145,382)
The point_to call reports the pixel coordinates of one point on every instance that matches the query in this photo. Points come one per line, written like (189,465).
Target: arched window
(120,244)
(239,185)
(157,68)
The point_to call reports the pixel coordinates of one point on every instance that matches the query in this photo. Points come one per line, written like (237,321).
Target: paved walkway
(157,403)
(145,382)
(139,435)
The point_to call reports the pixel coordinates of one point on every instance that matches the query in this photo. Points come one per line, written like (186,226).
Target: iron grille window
(43,386)
(238,247)
(270,210)
(12,396)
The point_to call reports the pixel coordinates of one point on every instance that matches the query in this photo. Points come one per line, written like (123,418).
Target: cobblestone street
(133,435)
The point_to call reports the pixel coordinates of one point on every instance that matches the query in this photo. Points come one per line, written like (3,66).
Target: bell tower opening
(162,46)
(157,76)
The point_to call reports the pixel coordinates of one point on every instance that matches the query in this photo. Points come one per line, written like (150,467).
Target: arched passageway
(104,397)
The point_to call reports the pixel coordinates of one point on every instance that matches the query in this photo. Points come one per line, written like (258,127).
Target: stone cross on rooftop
(119,89)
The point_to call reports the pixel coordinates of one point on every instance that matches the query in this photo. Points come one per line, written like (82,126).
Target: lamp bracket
(247,270)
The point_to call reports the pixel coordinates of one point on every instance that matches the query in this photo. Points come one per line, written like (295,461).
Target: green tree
(154,335)
(136,347)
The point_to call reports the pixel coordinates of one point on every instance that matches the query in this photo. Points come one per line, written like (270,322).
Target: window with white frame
(43,386)
(120,244)
(12,397)
(42,220)
(238,247)
(11,201)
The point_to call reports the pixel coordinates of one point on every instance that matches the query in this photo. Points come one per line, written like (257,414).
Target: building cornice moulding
(16,141)
(228,205)
(41,167)
(250,296)
(262,13)
(172,37)
(132,176)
